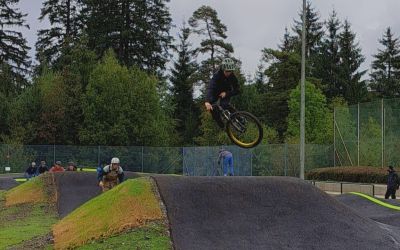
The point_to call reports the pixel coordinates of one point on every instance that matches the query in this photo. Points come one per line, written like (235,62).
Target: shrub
(349,174)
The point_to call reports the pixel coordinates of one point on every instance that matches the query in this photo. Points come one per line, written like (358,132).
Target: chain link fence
(368,134)
(280,159)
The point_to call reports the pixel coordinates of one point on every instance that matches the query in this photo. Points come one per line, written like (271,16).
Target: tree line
(111,73)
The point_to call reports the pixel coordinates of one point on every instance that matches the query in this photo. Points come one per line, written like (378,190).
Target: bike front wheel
(244,129)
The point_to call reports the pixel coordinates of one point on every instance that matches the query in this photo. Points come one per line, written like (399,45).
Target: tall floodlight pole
(302,87)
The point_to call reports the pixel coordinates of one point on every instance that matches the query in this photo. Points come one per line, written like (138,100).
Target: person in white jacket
(111,175)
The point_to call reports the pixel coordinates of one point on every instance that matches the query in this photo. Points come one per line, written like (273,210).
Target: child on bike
(224,85)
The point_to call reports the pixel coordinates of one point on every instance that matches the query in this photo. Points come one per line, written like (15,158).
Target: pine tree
(327,66)
(66,23)
(186,112)
(385,76)
(14,59)
(351,87)
(138,31)
(289,43)
(205,23)
(260,80)
(283,75)
(314,30)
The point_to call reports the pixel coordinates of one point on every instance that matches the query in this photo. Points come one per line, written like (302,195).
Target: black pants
(217,116)
(391,191)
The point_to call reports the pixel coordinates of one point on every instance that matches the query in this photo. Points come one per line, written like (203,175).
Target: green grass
(27,216)
(23,222)
(152,236)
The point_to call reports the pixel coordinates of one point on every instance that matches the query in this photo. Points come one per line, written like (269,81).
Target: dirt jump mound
(264,213)
(76,188)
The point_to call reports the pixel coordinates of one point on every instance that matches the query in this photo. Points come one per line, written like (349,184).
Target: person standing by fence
(31,171)
(57,167)
(227,161)
(42,168)
(393,183)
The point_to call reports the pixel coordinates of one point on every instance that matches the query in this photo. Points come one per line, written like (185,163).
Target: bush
(349,174)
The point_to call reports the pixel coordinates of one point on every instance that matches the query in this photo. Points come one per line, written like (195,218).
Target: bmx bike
(243,128)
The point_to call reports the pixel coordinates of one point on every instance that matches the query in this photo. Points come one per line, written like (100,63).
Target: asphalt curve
(7,183)
(75,188)
(264,213)
(369,209)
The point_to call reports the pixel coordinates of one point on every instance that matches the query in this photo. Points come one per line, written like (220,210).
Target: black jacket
(31,170)
(393,180)
(42,169)
(219,83)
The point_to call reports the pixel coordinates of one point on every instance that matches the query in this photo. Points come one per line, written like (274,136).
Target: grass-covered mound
(27,214)
(32,191)
(130,205)
(349,174)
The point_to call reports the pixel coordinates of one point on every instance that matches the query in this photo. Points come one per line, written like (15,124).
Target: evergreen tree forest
(112,73)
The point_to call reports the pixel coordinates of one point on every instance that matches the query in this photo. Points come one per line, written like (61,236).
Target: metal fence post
(251,163)
(98,155)
(54,153)
(142,159)
(334,137)
(183,159)
(8,156)
(358,134)
(285,156)
(383,131)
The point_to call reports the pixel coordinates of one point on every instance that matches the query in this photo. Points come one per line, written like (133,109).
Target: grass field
(24,222)
(151,236)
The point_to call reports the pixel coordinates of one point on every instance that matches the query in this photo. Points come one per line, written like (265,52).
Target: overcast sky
(257,24)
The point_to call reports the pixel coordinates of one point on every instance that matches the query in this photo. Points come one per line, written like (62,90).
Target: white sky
(257,24)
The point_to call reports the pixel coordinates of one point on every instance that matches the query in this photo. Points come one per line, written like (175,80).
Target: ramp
(369,209)
(264,213)
(76,188)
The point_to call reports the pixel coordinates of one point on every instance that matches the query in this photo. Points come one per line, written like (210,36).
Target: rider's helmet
(115,160)
(228,64)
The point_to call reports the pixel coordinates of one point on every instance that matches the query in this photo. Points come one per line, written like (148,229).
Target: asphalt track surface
(369,209)
(7,183)
(76,188)
(265,213)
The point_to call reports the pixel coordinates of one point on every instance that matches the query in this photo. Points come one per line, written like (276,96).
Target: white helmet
(228,64)
(115,160)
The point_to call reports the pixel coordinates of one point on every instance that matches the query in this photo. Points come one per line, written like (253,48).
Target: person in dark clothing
(223,85)
(392,183)
(31,171)
(42,168)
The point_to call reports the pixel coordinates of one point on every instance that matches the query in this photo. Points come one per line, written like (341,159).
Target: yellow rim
(238,142)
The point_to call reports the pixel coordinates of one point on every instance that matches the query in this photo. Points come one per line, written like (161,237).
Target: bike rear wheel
(244,129)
